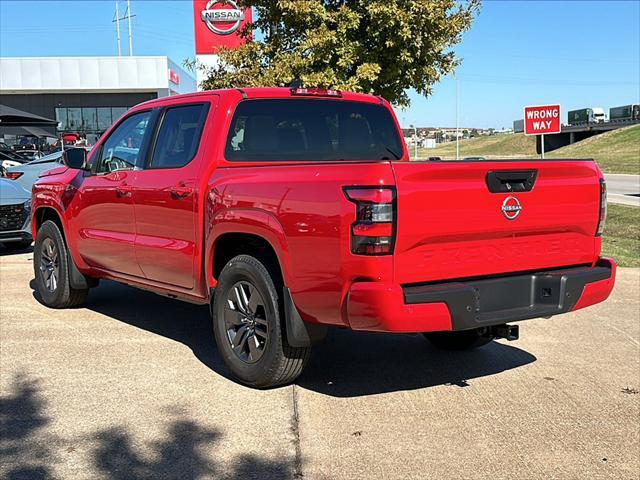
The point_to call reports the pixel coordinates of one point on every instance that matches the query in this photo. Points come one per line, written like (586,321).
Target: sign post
(542,120)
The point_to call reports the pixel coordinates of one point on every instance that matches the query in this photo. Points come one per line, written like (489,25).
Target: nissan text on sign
(541,120)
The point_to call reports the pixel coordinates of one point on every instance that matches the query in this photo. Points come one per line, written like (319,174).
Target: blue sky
(518,53)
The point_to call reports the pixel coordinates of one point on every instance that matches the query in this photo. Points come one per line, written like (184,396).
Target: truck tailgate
(451,226)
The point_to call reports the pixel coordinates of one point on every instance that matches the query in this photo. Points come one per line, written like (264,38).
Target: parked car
(291,210)
(10,159)
(474,159)
(15,215)
(29,154)
(26,174)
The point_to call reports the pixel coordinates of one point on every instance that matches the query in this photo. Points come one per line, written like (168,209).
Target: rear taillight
(13,175)
(373,232)
(603,207)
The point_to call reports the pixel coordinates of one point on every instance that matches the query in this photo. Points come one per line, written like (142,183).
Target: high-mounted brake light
(13,175)
(315,92)
(603,207)
(373,232)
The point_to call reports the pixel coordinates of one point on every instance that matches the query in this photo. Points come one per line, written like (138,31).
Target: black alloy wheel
(245,321)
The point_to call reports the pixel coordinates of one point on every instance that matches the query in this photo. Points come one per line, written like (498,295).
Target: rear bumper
(477,303)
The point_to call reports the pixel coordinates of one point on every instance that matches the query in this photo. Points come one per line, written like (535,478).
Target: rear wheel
(249,326)
(51,269)
(459,341)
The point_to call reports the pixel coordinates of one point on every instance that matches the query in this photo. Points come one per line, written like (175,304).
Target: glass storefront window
(89,119)
(104,118)
(90,122)
(61,118)
(74,118)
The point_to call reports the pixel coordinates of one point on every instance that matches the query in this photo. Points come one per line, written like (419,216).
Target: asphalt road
(132,387)
(623,189)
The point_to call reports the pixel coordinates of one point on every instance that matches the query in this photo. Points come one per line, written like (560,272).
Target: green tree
(384,47)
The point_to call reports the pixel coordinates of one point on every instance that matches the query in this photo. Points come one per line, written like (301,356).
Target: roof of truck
(266,92)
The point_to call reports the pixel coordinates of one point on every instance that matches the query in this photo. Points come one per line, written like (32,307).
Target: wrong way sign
(542,120)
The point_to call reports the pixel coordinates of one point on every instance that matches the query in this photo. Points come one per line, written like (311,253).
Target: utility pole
(117,19)
(130,32)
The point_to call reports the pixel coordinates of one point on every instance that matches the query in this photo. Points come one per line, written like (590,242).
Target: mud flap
(77,280)
(300,333)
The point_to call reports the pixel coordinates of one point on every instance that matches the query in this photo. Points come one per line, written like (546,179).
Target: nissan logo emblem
(511,208)
(213,17)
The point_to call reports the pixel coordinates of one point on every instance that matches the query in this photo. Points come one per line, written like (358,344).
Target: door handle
(180,192)
(123,191)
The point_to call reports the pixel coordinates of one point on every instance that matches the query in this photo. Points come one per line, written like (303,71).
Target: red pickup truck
(290,210)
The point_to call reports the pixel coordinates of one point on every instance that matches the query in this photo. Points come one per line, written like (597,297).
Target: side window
(179,136)
(121,151)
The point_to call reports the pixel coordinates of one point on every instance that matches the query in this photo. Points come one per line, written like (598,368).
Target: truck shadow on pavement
(29,450)
(346,364)
(4,251)
(353,364)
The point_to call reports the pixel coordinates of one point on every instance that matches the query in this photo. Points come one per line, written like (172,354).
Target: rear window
(312,130)
(179,136)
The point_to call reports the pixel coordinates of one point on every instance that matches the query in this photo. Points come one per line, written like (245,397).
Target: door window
(179,136)
(123,148)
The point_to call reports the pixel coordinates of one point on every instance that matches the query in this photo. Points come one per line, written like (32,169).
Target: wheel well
(48,213)
(231,245)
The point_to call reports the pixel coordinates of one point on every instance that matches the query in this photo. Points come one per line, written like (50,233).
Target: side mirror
(75,158)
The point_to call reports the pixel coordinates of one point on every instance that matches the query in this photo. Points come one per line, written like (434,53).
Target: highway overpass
(574,133)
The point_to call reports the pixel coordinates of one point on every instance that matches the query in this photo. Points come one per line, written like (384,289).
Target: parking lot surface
(131,386)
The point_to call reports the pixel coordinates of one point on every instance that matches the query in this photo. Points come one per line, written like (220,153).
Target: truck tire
(248,324)
(51,269)
(458,341)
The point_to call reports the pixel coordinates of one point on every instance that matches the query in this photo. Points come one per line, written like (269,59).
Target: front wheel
(51,269)
(249,327)
(459,341)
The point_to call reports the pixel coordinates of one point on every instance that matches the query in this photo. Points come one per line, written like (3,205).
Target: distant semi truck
(627,112)
(586,115)
(518,126)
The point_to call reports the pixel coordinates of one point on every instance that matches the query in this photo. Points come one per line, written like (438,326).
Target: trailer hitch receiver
(509,332)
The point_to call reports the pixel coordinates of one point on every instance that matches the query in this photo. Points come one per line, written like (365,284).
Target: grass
(516,145)
(617,151)
(621,239)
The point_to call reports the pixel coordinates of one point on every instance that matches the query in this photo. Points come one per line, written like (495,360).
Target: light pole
(415,139)
(457,125)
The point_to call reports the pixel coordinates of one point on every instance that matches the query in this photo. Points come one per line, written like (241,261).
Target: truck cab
(598,115)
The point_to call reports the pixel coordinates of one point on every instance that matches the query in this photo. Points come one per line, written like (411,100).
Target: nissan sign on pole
(217,24)
(542,120)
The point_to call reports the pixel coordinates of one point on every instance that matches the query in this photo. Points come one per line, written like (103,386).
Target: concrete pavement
(623,189)
(131,386)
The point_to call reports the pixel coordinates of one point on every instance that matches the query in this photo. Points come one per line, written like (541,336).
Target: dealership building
(86,94)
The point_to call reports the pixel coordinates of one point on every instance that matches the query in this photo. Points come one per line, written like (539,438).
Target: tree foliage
(384,47)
